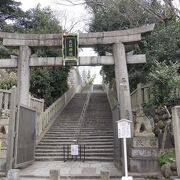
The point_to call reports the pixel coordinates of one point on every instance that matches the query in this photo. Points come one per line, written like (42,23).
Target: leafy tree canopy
(9,10)
(161,46)
(48,83)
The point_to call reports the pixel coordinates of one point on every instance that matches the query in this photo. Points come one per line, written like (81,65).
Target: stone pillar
(176,129)
(23,75)
(54,175)
(122,81)
(105,175)
(13,174)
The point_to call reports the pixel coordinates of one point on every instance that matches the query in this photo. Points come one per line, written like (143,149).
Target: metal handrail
(82,116)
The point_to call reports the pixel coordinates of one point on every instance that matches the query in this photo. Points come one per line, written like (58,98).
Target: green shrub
(167,156)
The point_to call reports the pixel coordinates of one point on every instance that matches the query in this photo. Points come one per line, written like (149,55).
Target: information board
(124,129)
(74,150)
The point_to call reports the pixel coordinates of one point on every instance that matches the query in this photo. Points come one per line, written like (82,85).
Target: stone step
(94,158)
(96,132)
(83,137)
(50,147)
(87,154)
(80,139)
(68,142)
(82,133)
(61,150)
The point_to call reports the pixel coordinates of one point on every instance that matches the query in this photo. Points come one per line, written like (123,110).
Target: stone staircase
(96,131)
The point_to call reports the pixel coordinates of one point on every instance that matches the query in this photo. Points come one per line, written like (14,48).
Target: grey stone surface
(174,178)
(54,174)
(143,152)
(151,142)
(23,75)
(143,165)
(105,175)
(85,39)
(13,174)
(176,128)
(83,61)
(70,169)
(122,81)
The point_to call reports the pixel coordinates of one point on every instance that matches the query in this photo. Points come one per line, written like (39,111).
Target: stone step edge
(151,175)
(144,158)
(70,176)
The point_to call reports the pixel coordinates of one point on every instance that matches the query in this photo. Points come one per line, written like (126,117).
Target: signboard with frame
(70,46)
(124,128)
(74,150)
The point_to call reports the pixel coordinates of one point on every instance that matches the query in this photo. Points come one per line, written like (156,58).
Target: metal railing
(68,156)
(82,117)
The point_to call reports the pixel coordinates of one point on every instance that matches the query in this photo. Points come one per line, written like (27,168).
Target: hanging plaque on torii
(70,49)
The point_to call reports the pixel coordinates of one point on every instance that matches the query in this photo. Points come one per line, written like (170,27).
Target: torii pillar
(122,81)
(23,83)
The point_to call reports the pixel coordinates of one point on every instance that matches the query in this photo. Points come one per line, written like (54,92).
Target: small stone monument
(143,155)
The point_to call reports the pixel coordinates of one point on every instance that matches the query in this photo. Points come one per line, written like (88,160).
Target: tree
(48,83)
(9,10)
(121,14)
(165,83)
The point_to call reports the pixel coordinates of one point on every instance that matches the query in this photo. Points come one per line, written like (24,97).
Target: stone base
(2,165)
(127,178)
(143,165)
(143,152)
(143,156)
(174,178)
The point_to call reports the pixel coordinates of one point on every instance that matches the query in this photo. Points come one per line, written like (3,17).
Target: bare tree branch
(71,3)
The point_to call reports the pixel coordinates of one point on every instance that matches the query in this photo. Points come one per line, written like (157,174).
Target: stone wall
(161,118)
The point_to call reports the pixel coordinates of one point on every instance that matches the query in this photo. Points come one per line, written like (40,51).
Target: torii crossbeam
(115,38)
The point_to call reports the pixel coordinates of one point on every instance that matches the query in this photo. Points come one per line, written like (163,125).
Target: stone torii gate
(118,40)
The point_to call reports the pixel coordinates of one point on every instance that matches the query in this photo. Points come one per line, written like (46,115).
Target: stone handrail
(46,116)
(37,104)
(49,115)
(4,99)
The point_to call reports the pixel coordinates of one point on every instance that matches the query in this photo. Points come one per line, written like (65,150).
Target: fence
(142,95)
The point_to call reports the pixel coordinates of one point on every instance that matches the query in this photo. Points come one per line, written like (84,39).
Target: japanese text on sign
(74,150)
(124,129)
(70,47)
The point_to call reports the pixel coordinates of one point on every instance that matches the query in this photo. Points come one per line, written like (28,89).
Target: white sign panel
(74,150)
(124,129)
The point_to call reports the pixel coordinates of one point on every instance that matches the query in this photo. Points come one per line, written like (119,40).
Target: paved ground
(73,170)
(70,169)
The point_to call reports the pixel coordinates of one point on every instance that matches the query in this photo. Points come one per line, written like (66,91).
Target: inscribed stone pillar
(23,75)
(176,129)
(122,81)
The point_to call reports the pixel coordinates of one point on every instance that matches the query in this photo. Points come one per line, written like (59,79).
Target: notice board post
(124,131)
